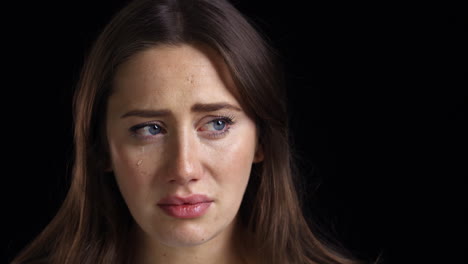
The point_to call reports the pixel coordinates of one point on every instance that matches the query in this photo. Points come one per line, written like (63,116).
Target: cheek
(233,161)
(129,164)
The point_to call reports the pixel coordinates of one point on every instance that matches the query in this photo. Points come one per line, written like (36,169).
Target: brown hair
(94,223)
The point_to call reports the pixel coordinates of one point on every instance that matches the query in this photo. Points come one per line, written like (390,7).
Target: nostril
(182,181)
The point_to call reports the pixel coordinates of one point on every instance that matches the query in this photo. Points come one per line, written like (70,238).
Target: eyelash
(134,129)
(229,120)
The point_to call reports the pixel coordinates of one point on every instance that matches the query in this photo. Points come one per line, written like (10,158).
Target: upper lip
(192,199)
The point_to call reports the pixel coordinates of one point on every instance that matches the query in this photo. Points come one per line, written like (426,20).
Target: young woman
(181,148)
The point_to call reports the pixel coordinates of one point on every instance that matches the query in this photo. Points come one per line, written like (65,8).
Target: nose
(183,161)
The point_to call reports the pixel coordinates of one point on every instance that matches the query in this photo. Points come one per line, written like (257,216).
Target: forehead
(168,72)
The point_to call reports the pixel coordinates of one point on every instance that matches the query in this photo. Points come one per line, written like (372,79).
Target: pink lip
(185,207)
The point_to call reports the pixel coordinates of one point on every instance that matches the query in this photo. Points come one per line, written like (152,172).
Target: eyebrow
(197,108)
(214,107)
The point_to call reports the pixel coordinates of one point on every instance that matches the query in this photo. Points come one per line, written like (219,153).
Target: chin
(186,232)
(186,236)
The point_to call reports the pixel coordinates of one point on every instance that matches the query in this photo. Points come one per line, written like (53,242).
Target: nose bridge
(184,162)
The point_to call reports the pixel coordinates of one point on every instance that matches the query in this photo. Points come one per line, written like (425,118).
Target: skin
(189,156)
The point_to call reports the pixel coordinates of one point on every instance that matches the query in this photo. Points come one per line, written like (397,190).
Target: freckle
(189,78)
(139,162)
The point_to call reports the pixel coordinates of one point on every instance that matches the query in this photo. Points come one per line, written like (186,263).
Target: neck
(224,248)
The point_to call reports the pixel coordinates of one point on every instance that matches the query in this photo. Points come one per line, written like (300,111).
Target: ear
(258,157)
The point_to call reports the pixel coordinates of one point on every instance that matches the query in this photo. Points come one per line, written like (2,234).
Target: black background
(376,96)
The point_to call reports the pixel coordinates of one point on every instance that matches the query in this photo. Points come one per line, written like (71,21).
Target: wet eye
(219,124)
(147,130)
(154,129)
(215,125)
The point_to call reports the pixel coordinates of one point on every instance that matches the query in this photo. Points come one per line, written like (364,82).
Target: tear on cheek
(139,162)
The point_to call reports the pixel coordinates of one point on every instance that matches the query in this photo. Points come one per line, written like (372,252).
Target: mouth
(193,206)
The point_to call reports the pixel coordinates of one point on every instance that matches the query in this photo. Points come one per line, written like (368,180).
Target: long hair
(93,225)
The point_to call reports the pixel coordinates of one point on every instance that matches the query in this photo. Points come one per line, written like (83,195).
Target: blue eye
(147,130)
(219,124)
(154,129)
(217,127)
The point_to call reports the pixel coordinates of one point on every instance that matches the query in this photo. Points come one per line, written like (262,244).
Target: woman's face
(181,146)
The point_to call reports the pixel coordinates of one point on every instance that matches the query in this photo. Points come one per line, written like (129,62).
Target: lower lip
(186,210)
